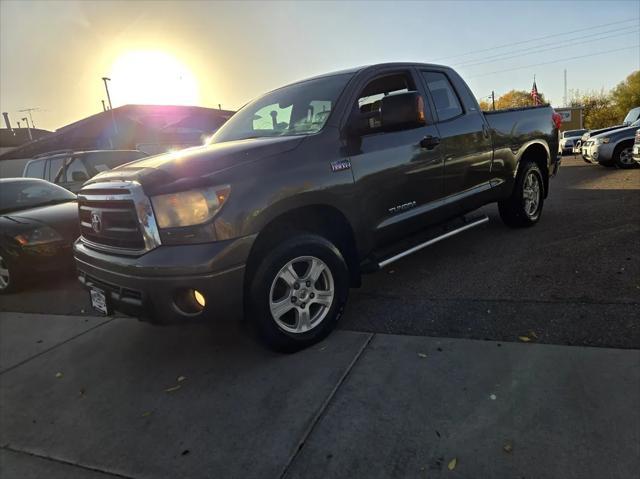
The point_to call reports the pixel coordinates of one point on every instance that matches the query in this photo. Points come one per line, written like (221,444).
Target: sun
(153,78)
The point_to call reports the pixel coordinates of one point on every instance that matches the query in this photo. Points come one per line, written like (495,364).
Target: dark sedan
(38,225)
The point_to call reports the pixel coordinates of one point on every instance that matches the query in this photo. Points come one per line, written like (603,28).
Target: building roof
(134,125)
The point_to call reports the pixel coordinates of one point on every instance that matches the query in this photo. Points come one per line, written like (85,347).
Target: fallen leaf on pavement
(422,355)
(524,339)
(58,375)
(507,447)
(533,334)
(174,388)
(181,378)
(146,414)
(452,464)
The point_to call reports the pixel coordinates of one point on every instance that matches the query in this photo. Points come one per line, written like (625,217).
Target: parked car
(70,169)
(568,139)
(302,191)
(38,225)
(636,148)
(612,148)
(632,116)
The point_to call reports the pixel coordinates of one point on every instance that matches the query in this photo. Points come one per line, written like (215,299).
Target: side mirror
(402,110)
(79,176)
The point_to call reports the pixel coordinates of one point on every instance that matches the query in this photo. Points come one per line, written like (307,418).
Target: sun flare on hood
(154,78)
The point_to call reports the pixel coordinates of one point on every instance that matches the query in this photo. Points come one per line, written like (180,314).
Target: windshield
(632,116)
(21,195)
(298,109)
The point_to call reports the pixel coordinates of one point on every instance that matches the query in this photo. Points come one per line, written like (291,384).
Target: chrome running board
(420,246)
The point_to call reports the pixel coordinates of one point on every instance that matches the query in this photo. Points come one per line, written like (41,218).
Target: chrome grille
(117,217)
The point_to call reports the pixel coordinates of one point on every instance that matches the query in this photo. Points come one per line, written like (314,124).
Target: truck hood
(180,169)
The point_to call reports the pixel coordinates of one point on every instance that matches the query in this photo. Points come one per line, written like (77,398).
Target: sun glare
(153,78)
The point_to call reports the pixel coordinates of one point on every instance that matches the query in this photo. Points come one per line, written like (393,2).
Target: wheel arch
(323,219)
(538,153)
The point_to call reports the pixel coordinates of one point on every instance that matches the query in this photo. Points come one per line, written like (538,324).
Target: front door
(396,175)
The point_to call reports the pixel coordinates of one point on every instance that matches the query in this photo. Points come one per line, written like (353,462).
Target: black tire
(11,280)
(607,164)
(623,157)
(513,210)
(264,282)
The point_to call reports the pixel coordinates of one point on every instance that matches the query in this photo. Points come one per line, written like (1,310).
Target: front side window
(299,109)
(370,98)
(76,171)
(444,96)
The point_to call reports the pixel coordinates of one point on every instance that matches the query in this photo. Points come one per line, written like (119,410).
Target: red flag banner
(534,94)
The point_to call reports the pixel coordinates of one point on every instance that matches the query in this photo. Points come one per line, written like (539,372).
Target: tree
(512,99)
(626,95)
(598,109)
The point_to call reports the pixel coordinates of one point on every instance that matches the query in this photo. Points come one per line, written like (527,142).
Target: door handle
(429,142)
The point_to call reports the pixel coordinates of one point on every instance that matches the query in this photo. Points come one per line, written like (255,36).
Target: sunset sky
(53,54)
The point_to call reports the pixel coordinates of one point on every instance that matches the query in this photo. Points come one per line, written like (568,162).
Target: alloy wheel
(531,194)
(4,274)
(301,294)
(626,156)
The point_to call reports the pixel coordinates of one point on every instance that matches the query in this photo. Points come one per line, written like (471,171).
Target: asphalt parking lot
(573,279)
(470,359)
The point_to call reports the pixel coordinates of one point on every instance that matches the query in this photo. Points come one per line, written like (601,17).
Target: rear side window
(35,169)
(55,169)
(444,96)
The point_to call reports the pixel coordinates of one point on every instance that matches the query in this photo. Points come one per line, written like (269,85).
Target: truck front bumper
(159,286)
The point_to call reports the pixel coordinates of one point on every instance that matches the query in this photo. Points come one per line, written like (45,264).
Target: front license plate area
(99,301)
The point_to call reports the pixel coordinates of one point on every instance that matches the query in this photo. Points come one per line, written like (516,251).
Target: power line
(591,28)
(566,43)
(534,51)
(555,61)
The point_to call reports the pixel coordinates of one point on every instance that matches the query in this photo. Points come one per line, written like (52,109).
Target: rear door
(465,140)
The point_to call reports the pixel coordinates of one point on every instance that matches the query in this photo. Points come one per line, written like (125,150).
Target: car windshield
(299,109)
(21,195)
(632,116)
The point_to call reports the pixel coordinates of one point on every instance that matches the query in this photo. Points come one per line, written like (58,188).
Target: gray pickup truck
(302,191)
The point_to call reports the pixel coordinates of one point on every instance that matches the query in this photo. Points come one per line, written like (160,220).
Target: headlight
(40,235)
(189,208)
(600,141)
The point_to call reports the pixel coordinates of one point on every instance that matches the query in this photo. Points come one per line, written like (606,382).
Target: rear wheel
(623,157)
(298,293)
(524,206)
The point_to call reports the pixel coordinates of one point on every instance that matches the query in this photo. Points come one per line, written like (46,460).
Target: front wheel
(623,157)
(524,206)
(298,293)
(9,279)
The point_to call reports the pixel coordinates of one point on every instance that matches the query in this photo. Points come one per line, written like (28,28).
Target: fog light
(199,298)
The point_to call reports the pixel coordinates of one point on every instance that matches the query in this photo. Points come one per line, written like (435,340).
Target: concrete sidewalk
(100,398)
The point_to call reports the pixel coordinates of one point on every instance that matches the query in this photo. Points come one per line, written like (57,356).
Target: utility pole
(29,110)
(493,100)
(113,117)
(565,87)
(28,129)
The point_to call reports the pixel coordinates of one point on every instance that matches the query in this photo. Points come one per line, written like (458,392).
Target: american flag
(535,95)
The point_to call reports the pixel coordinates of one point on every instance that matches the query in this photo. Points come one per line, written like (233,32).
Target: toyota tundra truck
(304,190)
